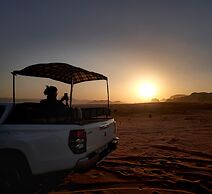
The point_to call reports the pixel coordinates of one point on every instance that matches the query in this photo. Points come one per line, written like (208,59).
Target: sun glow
(147,91)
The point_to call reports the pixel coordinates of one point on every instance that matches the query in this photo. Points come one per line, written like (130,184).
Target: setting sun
(147,91)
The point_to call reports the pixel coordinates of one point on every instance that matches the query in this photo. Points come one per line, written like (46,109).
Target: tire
(15,176)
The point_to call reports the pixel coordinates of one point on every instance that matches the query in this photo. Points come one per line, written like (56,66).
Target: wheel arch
(14,155)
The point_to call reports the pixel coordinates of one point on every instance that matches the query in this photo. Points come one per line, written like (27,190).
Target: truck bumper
(92,159)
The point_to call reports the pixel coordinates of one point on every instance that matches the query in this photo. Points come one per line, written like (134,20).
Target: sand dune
(161,153)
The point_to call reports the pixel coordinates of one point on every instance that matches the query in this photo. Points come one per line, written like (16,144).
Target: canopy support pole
(71,92)
(13,87)
(108,96)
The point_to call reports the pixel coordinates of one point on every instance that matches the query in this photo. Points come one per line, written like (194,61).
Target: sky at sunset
(163,43)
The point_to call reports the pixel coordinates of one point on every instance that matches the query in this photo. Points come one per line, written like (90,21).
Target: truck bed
(35,113)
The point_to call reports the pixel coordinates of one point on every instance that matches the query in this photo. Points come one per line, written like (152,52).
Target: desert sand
(164,148)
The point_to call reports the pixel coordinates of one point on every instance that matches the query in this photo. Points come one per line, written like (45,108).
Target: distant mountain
(177,96)
(75,101)
(155,100)
(202,97)
(20,100)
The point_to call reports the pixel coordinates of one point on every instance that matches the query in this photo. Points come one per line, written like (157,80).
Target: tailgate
(99,134)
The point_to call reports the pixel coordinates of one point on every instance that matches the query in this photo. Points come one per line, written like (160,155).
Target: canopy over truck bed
(62,72)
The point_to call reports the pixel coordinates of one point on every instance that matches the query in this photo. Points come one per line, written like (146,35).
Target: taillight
(77,141)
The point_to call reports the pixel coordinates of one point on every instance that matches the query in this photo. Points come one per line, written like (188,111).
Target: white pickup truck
(34,141)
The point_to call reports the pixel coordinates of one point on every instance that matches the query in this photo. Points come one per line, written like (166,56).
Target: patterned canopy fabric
(61,72)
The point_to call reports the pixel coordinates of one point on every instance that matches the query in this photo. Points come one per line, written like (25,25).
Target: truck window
(2,109)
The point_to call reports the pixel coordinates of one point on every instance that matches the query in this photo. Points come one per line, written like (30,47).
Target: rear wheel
(15,177)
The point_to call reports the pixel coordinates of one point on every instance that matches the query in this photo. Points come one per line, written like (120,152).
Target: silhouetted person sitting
(51,105)
(51,93)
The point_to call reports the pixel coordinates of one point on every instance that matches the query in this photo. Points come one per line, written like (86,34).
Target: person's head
(50,92)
